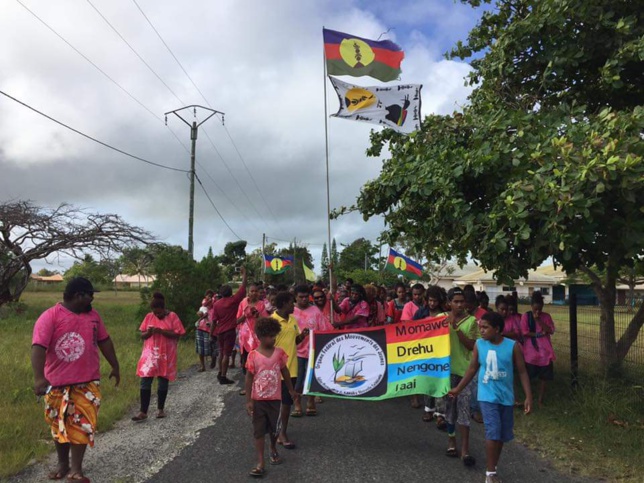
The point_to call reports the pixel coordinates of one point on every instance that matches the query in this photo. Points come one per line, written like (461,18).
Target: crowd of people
(267,327)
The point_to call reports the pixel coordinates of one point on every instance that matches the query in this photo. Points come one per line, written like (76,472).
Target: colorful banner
(347,54)
(403,265)
(381,362)
(276,265)
(396,107)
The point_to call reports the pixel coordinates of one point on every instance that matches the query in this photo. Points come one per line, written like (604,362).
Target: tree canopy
(545,161)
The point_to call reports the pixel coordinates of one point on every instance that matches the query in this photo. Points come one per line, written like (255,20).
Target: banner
(309,274)
(276,265)
(381,362)
(403,265)
(396,107)
(347,54)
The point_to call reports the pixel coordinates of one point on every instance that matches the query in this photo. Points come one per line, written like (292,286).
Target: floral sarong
(72,412)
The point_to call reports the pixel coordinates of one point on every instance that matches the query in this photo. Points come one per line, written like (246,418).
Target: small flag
(347,54)
(308,273)
(396,107)
(403,265)
(276,265)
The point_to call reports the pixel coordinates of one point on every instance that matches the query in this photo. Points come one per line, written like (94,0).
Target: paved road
(348,441)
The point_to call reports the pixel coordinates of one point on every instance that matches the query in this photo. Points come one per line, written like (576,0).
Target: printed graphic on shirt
(70,347)
(492,368)
(266,382)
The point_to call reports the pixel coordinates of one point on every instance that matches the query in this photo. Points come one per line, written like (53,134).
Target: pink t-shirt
(267,374)
(544,353)
(71,343)
(512,323)
(408,312)
(247,338)
(159,356)
(310,318)
(361,309)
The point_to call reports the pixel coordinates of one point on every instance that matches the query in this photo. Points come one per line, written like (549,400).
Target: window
(509,289)
(545,290)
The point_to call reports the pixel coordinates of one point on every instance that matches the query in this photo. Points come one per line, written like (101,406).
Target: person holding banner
(396,306)
(416,303)
(355,310)
(287,339)
(494,358)
(463,332)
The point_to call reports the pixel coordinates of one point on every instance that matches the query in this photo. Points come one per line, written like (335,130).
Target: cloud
(259,62)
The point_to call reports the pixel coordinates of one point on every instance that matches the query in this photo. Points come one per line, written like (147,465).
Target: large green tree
(360,254)
(545,161)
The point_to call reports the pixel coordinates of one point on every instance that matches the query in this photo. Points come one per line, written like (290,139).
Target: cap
(79,284)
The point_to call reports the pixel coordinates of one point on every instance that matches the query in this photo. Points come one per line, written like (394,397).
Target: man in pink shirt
(66,365)
(250,309)
(417,302)
(224,324)
(308,317)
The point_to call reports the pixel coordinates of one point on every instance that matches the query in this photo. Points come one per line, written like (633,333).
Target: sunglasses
(319,297)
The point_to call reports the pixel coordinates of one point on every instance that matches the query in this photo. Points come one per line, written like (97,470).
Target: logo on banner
(350,365)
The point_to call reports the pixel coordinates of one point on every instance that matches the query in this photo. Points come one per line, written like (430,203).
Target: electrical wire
(215,208)
(90,137)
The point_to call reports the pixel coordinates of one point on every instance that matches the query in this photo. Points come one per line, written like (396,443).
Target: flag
(347,54)
(381,362)
(396,107)
(308,273)
(276,265)
(403,265)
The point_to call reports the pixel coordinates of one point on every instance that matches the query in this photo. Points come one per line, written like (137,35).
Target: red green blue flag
(348,54)
(276,265)
(403,265)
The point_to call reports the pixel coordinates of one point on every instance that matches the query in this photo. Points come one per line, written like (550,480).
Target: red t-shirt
(224,311)
(267,374)
(71,343)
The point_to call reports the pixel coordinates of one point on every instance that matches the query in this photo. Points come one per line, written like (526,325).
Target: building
(133,281)
(524,287)
(446,276)
(46,279)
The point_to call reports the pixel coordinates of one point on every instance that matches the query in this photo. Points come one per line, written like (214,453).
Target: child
(263,389)
(536,328)
(494,358)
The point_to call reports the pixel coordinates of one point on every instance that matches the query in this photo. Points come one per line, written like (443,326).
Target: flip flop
(287,444)
(138,419)
(451,452)
(257,472)
(469,460)
(57,474)
(275,459)
(161,415)
(75,477)
(311,412)
(318,400)
(428,416)
(296,413)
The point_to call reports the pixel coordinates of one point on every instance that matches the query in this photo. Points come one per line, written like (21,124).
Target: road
(348,441)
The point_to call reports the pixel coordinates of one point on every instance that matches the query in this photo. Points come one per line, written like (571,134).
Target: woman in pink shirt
(249,310)
(536,328)
(160,331)
(355,310)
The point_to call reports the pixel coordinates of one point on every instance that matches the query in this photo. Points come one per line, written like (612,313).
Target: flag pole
(328,194)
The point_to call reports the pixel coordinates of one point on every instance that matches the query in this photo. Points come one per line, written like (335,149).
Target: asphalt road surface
(348,441)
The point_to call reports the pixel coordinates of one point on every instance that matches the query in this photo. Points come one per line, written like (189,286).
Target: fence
(577,341)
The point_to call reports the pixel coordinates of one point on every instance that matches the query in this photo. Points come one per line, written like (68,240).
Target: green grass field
(23,433)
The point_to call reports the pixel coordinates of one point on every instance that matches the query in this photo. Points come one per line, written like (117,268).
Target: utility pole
(263,267)
(194,127)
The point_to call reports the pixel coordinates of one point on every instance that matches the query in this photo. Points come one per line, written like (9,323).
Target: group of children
(491,351)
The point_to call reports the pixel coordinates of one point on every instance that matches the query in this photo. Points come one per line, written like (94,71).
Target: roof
(47,278)
(452,270)
(482,276)
(123,278)
(552,271)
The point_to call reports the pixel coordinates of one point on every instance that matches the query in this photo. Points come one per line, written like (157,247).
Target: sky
(258,62)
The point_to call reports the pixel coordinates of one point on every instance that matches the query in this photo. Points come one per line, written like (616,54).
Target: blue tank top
(496,374)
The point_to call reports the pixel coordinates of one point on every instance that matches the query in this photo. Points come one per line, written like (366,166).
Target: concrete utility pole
(194,127)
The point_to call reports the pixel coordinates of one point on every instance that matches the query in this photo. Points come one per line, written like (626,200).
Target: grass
(23,433)
(596,430)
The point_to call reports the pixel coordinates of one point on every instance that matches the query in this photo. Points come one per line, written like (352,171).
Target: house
(46,279)
(133,281)
(524,287)
(446,276)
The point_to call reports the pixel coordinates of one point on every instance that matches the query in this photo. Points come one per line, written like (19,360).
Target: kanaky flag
(403,265)
(348,54)
(276,265)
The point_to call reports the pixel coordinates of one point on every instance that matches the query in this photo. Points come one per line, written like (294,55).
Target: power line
(213,205)
(229,136)
(92,138)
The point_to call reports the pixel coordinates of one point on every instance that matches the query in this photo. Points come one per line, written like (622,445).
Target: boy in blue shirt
(494,357)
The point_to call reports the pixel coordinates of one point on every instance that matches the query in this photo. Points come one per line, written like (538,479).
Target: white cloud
(260,62)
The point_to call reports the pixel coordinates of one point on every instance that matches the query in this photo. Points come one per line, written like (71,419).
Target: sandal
(311,412)
(428,416)
(75,477)
(441,424)
(296,413)
(469,460)
(161,414)
(242,392)
(451,452)
(287,444)
(57,474)
(140,417)
(275,459)
(318,400)
(257,472)
(478,417)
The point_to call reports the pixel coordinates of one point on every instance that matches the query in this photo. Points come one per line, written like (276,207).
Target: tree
(335,258)
(546,161)
(43,272)
(300,255)
(97,272)
(233,255)
(137,261)
(360,254)
(29,232)
(324,262)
